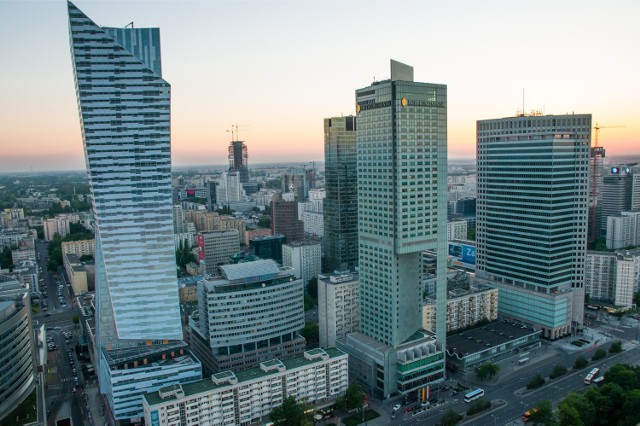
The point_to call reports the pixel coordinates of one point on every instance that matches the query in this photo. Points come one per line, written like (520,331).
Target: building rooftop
(339,277)
(230,378)
(303,243)
(488,336)
(267,237)
(258,268)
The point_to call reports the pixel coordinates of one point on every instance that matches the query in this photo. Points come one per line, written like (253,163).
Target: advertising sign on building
(463,253)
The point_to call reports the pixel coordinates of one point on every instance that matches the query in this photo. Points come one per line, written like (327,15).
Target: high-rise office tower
(124,106)
(402,211)
(615,194)
(284,219)
(533,178)
(341,201)
(596,158)
(239,160)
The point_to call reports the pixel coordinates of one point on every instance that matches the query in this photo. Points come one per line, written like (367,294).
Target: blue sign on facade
(463,252)
(155,418)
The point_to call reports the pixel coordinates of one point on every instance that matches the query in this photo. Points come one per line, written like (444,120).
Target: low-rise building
(457,230)
(313,223)
(305,257)
(58,225)
(613,277)
(465,307)
(623,231)
(23,254)
(234,398)
(338,307)
(17,340)
(129,373)
(79,248)
(217,247)
(76,272)
(268,247)
(490,343)
(252,314)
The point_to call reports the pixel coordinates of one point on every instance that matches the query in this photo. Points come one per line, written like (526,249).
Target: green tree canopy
(624,376)
(575,409)
(580,363)
(311,332)
(487,371)
(290,413)
(600,354)
(264,221)
(544,414)
(615,347)
(450,418)
(353,397)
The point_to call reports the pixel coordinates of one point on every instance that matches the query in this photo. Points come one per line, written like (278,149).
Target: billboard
(463,252)
(201,247)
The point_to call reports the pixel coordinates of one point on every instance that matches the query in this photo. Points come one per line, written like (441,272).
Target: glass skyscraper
(124,107)
(533,179)
(402,210)
(239,160)
(341,202)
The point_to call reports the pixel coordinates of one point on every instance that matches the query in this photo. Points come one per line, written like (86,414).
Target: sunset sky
(277,68)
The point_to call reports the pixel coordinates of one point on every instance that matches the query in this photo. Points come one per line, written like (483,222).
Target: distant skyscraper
(341,202)
(595,184)
(402,211)
(532,217)
(124,107)
(284,219)
(239,160)
(615,194)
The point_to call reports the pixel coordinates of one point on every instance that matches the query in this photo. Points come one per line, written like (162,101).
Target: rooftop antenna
(130,23)
(523,102)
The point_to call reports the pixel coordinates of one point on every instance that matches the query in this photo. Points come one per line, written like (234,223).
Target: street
(508,393)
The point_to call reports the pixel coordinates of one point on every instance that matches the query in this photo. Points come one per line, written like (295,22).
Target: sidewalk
(96,405)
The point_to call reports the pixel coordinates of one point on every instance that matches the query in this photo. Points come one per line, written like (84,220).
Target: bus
(478,393)
(592,375)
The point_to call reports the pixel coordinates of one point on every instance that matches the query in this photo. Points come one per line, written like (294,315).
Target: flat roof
(256,268)
(486,337)
(206,385)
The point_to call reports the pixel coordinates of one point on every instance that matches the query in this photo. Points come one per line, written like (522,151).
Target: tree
(544,414)
(580,363)
(625,376)
(471,234)
(558,371)
(600,354)
(450,418)
(478,406)
(264,221)
(309,302)
(487,370)
(536,382)
(5,259)
(312,288)
(290,413)
(615,347)
(274,184)
(575,409)
(311,332)
(353,397)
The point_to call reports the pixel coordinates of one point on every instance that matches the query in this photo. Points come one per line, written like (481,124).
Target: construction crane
(596,155)
(597,127)
(235,131)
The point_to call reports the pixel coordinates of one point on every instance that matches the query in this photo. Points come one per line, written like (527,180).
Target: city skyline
(252,63)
